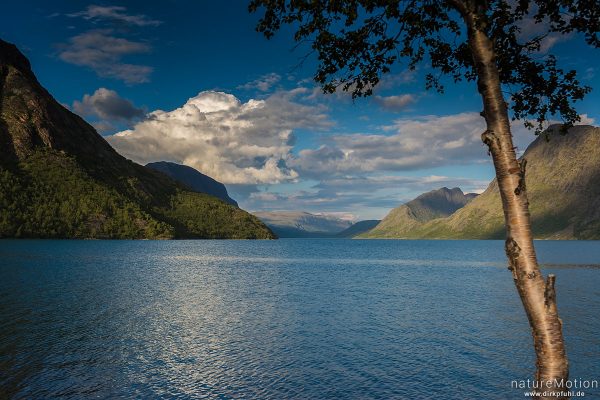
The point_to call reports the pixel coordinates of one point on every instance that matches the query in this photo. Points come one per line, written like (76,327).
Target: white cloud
(410,143)
(264,83)
(263,197)
(393,80)
(586,120)
(370,185)
(343,215)
(234,142)
(530,29)
(107,105)
(395,103)
(115,13)
(103,53)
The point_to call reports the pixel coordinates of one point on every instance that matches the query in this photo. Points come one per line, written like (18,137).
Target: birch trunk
(538,296)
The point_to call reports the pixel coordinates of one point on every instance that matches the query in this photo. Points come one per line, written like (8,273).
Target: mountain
(61,179)
(563,186)
(288,224)
(193,179)
(358,228)
(428,206)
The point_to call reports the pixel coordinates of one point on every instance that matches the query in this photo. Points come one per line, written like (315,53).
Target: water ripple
(245,320)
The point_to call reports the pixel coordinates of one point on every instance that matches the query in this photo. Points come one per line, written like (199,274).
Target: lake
(285,319)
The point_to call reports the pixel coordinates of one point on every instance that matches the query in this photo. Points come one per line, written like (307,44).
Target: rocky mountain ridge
(437,203)
(193,179)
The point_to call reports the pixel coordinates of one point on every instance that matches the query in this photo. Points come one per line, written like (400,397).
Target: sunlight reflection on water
(280,319)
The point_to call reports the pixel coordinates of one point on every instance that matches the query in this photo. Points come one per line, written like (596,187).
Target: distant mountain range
(299,224)
(563,185)
(193,179)
(61,179)
(358,228)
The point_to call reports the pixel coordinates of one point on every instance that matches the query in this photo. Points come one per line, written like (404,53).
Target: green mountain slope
(563,183)
(428,206)
(60,179)
(193,179)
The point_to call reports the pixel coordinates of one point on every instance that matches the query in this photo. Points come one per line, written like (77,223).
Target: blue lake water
(286,319)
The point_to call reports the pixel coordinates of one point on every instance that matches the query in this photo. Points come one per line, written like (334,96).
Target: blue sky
(192,82)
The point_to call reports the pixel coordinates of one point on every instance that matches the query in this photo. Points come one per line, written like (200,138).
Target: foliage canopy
(357,41)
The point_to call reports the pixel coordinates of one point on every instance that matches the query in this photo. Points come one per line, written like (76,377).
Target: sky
(192,82)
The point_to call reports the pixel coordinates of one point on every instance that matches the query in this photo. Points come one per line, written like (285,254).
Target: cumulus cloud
(115,13)
(234,142)
(106,104)
(264,83)
(395,103)
(407,144)
(585,119)
(102,52)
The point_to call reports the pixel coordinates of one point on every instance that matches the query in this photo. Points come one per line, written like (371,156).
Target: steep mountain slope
(288,224)
(61,179)
(428,206)
(358,228)
(193,179)
(563,184)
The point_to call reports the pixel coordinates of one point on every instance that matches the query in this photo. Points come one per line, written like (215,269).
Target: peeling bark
(521,188)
